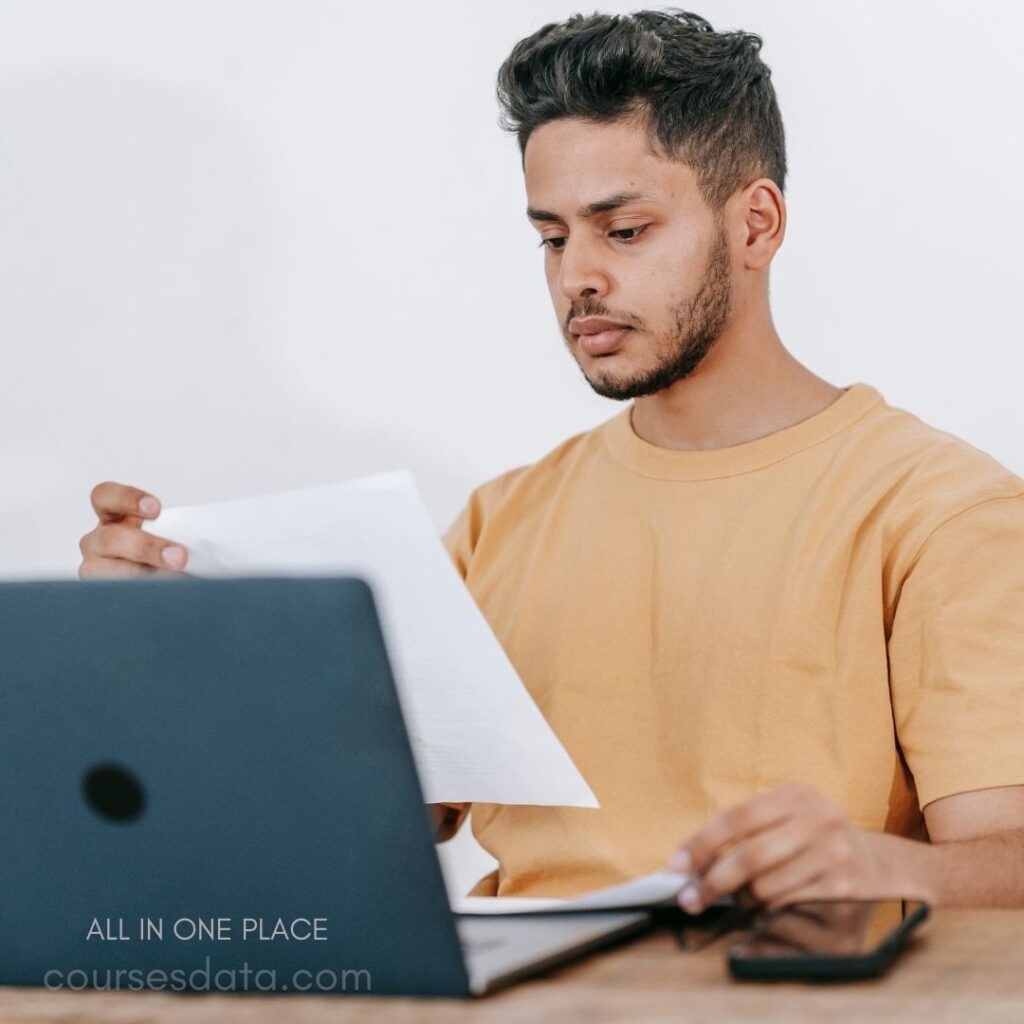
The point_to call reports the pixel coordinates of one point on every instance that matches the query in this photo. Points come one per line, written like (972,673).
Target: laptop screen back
(205,776)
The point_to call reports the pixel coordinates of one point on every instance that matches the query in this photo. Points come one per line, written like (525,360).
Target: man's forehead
(574,168)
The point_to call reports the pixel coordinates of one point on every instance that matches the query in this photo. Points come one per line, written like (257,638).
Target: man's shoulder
(917,479)
(533,480)
(928,462)
(511,501)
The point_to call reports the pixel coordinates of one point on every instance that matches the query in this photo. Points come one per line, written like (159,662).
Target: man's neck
(748,386)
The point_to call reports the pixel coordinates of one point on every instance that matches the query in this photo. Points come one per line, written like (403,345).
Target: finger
(776,885)
(118,568)
(112,502)
(803,887)
(116,540)
(732,825)
(746,862)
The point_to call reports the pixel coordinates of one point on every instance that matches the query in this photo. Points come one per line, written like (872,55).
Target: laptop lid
(207,784)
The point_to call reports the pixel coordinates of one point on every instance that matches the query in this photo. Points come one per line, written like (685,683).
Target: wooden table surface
(963,966)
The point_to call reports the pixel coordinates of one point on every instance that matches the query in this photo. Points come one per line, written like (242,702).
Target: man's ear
(761,209)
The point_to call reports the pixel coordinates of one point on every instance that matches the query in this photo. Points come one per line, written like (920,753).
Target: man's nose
(579,270)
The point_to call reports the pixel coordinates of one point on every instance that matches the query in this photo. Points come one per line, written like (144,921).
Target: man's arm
(979,848)
(792,844)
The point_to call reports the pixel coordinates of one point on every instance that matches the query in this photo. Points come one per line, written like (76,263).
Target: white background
(248,245)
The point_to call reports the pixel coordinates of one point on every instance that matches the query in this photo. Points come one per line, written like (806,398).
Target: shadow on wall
(144,325)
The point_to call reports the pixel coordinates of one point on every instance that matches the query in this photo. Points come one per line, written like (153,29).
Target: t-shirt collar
(649,460)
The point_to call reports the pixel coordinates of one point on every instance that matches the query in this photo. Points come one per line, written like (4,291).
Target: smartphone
(826,940)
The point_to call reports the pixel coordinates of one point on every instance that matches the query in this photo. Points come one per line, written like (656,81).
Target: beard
(698,322)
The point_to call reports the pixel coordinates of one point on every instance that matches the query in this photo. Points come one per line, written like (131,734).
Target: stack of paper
(646,891)
(475,732)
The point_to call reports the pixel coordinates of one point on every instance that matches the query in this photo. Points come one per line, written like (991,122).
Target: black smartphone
(826,940)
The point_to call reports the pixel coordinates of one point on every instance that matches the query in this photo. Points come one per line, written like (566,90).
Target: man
(778,624)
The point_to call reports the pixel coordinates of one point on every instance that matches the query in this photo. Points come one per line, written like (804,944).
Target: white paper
(646,891)
(475,731)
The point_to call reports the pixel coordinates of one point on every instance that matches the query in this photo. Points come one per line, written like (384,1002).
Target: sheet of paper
(646,891)
(476,733)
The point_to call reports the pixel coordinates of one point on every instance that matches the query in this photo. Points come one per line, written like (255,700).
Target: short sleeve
(956,654)
(461,537)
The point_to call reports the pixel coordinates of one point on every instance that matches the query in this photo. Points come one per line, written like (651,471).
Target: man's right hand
(118,546)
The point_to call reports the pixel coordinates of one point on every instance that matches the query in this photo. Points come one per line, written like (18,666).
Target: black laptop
(207,785)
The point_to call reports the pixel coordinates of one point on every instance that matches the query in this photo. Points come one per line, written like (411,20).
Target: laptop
(207,785)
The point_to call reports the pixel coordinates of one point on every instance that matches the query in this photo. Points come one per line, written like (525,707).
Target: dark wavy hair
(706,97)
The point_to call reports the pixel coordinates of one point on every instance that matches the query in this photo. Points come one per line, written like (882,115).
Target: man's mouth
(604,343)
(598,336)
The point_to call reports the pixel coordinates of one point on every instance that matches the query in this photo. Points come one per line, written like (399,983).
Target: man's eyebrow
(612,202)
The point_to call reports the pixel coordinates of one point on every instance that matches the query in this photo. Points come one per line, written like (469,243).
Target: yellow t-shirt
(839,603)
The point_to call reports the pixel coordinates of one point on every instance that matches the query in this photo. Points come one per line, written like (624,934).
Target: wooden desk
(965,967)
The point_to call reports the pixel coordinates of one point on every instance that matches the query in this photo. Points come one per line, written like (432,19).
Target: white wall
(247,245)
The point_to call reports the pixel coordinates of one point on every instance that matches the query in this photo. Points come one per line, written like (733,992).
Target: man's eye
(557,243)
(638,231)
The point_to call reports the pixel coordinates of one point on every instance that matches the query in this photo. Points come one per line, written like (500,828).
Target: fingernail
(174,557)
(149,506)
(681,861)
(690,899)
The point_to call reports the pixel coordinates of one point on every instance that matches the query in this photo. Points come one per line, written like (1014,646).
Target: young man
(778,624)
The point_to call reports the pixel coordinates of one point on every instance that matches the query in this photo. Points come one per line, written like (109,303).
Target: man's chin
(620,387)
(613,376)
